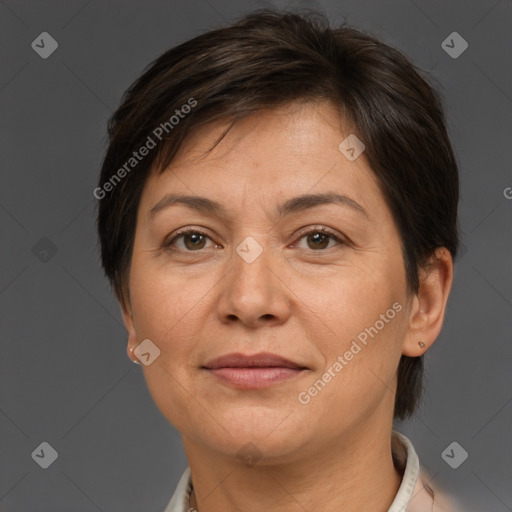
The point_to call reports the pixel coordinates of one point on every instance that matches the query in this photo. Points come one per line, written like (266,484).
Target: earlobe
(429,304)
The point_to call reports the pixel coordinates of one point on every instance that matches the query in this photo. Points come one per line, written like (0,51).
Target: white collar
(411,491)
(404,453)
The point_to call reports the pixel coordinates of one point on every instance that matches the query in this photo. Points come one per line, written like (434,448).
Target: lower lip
(255,377)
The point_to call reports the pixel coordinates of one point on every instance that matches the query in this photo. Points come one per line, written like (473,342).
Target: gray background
(64,374)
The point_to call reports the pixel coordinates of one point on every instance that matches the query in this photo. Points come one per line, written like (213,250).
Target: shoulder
(426,497)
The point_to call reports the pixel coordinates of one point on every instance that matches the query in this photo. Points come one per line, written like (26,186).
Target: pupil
(317,237)
(195,238)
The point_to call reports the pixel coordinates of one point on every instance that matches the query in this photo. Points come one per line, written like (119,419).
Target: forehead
(287,151)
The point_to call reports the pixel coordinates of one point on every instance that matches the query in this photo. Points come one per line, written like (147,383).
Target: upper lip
(262,359)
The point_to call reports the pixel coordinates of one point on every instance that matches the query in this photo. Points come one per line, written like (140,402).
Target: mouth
(253,372)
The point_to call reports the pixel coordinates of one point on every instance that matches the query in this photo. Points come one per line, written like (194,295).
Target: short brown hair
(270,58)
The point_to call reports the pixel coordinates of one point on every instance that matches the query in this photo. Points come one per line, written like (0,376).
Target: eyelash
(168,244)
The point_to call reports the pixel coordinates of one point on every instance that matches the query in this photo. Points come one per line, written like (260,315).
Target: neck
(355,472)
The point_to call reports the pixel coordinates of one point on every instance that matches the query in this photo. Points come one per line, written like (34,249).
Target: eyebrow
(290,206)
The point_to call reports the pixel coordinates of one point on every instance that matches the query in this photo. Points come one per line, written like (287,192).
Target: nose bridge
(252,264)
(252,290)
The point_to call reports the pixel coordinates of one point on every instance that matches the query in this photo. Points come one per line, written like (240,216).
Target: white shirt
(414,493)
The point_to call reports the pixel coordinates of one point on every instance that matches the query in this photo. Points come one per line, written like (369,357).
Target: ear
(126,312)
(429,304)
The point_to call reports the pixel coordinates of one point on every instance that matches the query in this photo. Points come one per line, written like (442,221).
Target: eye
(192,238)
(319,238)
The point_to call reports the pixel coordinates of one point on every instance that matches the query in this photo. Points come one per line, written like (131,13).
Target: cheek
(360,367)
(161,298)
(356,299)
(365,314)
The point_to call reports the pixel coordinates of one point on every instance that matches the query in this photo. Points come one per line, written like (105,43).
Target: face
(316,281)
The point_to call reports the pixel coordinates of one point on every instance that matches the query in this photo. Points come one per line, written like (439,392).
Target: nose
(253,292)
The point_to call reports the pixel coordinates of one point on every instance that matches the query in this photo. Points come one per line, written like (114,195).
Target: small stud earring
(421,344)
(133,360)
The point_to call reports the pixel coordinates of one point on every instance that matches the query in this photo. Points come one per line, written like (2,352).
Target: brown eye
(193,240)
(318,240)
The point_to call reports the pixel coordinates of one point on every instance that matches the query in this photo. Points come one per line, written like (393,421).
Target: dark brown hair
(270,58)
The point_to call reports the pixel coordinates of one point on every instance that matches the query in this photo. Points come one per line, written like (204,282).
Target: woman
(278,218)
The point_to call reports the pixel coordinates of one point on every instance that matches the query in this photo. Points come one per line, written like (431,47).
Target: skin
(303,298)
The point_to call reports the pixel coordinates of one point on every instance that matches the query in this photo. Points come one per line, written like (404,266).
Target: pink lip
(253,372)
(254,378)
